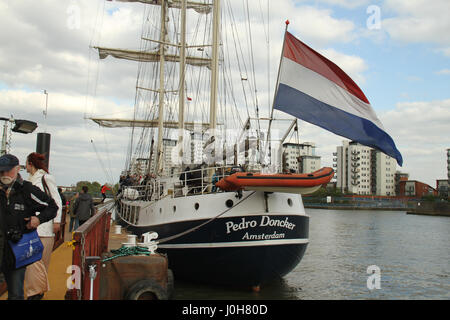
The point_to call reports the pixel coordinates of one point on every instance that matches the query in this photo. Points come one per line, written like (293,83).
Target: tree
(93,187)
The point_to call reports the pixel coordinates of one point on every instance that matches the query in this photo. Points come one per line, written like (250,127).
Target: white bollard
(131,238)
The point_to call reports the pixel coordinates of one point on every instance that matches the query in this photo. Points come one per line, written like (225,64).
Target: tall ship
(204,169)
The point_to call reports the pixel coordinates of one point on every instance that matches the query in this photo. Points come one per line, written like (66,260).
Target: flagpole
(276,90)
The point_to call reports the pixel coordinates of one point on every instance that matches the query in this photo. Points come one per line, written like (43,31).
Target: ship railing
(198,181)
(191,182)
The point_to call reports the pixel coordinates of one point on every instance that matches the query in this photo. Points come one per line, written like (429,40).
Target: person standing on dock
(36,278)
(74,222)
(23,208)
(84,206)
(104,188)
(63,197)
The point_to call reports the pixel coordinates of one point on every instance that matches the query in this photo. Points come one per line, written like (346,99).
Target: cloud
(414,78)
(445,51)
(72,156)
(418,21)
(319,27)
(443,72)
(421,132)
(349,4)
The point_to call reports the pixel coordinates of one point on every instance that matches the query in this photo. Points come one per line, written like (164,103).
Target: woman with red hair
(36,278)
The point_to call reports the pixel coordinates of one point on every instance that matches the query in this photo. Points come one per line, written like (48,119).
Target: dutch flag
(314,89)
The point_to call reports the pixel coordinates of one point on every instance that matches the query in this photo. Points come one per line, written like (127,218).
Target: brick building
(417,189)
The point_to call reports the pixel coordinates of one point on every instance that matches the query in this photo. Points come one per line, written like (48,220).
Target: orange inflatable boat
(303,183)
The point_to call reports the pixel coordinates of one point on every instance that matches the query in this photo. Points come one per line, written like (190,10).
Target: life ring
(146,289)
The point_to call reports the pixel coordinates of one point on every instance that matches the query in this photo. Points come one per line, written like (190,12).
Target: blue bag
(28,249)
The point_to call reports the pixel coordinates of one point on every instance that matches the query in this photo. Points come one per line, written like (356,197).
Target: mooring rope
(128,251)
(203,224)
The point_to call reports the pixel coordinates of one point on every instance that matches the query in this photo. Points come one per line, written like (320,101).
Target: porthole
(290,202)
(229,203)
(196,206)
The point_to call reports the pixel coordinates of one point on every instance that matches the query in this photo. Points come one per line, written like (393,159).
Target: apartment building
(301,157)
(363,170)
(169,163)
(399,176)
(448,165)
(442,188)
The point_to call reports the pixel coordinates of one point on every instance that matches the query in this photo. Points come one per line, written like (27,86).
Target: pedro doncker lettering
(265,221)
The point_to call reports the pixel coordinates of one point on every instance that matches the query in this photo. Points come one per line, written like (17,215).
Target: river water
(412,253)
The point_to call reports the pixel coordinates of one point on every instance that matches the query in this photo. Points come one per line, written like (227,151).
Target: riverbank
(333,207)
(429,213)
(427,210)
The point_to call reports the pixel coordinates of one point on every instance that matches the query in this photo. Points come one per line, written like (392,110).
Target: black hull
(215,253)
(241,266)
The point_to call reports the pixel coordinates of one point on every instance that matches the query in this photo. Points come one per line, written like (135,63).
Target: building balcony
(354,152)
(355,158)
(335,154)
(335,159)
(355,170)
(334,165)
(355,165)
(354,176)
(355,183)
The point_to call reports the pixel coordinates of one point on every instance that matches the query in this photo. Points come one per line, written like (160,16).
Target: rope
(204,223)
(128,251)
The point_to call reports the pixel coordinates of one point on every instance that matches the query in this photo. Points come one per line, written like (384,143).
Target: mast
(163,56)
(214,79)
(161,88)
(182,80)
(214,66)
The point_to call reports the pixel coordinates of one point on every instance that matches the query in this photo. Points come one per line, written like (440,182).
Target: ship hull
(244,247)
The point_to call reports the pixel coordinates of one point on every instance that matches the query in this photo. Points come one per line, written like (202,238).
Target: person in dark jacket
(20,201)
(84,206)
(62,196)
(2,236)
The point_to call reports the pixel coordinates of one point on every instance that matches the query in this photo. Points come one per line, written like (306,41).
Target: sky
(397,51)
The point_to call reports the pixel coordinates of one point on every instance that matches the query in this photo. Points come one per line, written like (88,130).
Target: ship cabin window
(196,206)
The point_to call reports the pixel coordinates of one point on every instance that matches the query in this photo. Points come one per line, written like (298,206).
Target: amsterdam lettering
(266,221)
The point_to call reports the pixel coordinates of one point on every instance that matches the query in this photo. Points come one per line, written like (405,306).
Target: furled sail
(146,56)
(124,123)
(199,7)
(314,89)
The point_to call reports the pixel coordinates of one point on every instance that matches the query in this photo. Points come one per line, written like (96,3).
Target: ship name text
(265,222)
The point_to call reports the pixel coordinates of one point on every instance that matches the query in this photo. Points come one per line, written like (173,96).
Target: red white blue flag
(314,89)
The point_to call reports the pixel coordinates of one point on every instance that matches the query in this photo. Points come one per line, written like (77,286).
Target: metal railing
(90,240)
(187,183)
(191,182)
